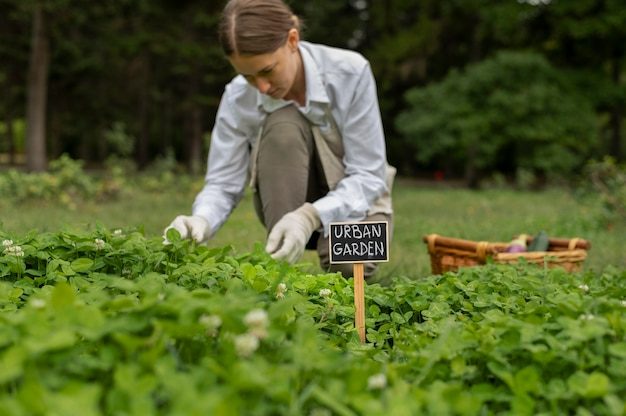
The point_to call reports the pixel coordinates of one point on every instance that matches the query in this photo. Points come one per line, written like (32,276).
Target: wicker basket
(451,253)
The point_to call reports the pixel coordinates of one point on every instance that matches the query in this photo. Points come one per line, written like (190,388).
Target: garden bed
(110,322)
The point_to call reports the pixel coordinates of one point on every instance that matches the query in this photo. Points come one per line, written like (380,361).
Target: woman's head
(260,39)
(254,27)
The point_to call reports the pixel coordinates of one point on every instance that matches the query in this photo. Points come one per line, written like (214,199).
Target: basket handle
(431,239)
(455,243)
(481,250)
(572,243)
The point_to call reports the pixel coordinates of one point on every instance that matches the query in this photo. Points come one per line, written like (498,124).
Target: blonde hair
(254,27)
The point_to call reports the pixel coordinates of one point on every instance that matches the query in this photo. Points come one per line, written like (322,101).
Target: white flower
(624,303)
(38,303)
(246,344)
(99,243)
(259,332)
(587,317)
(212,323)
(256,318)
(377,382)
(280,290)
(7,243)
(257,323)
(117,232)
(324,293)
(15,251)
(584,288)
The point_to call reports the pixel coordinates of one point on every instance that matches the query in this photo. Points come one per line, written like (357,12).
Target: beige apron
(330,149)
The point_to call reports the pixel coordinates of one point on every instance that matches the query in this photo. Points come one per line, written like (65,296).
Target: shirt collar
(315,91)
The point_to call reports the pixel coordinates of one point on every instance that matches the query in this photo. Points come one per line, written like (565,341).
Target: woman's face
(273,73)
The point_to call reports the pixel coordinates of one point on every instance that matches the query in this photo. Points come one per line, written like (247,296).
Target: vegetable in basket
(539,242)
(517,245)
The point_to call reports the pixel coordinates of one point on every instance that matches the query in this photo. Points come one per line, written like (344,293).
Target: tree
(591,35)
(510,111)
(412,43)
(37,92)
(156,69)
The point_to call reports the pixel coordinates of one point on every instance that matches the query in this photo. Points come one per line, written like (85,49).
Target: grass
(490,215)
(496,215)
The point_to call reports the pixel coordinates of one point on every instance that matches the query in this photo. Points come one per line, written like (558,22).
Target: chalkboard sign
(356,242)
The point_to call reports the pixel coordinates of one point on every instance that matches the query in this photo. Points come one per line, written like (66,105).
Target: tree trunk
(195,144)
(194,131)
(8,120)
(616,133)
(37,92)
(167,122)
(616,113)
(10,137)
(143,138)
(471,172)
(102,147)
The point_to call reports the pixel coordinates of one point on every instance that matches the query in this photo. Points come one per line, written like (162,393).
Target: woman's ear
(293,38)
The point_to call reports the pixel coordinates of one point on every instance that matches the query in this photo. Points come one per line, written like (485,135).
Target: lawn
(491,215)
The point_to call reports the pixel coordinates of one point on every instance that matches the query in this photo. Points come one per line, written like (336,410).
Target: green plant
(607,180)
(65,182)
(120,141)
(112,322)
(512,111)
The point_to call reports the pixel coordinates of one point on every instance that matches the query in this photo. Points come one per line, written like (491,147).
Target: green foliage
(120,141)
(64,182)
(69,184)
(513,107)
(111,322)
(607,181)
(19,133)
(496,215)
(157,67)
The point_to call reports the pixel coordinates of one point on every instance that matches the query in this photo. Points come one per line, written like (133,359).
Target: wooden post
(359,300)
(359,243)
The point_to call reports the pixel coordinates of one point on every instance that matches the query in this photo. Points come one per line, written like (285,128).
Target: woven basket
(451,253)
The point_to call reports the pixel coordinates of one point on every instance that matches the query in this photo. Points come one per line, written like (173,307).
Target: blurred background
(474,90)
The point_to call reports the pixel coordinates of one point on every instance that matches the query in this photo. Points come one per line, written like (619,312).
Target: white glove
(190,226)
(289,236)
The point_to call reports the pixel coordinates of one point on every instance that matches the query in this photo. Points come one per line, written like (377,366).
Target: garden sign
(358,243)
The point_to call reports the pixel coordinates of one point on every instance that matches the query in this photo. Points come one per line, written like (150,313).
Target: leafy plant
(68,183)
(111,322)
(512,111)
(65,182)
(607,180)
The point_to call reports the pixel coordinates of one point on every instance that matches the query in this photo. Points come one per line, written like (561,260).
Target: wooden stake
(359,300)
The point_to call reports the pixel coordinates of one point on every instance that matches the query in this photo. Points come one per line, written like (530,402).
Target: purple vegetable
(518,245)
(515,248)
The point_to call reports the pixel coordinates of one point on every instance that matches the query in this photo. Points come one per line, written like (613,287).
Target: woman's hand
(289,236)
(190,226)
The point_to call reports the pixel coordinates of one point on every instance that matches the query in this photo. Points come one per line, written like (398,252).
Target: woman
(302,122)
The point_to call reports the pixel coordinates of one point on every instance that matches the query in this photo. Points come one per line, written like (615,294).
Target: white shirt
(339,79)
